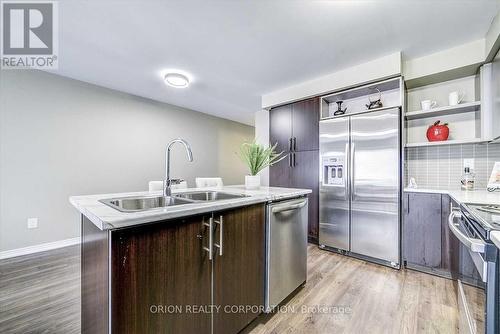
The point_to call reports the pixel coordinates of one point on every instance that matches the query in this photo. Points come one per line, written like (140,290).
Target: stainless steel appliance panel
(286,258)
(334,183)
(375,184)
(470,233)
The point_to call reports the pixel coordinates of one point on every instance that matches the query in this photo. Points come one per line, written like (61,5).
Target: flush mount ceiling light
(176,79)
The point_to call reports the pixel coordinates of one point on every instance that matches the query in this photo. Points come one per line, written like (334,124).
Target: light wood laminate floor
(375,299)
(41,294)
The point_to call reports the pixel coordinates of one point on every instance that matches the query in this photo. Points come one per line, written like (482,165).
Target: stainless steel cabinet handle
(210,247)
(289,159)
(293,160)
(475,245)
(294,143)
(220,222)
(290,144)
(277,209)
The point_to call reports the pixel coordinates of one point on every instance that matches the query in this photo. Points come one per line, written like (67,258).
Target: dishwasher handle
(475,245)
(290,207)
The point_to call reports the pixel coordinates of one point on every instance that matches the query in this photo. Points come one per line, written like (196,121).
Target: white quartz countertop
(462,196)
(105,217)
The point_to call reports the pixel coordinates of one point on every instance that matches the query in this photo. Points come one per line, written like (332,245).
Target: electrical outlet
(32,223)
(469,163)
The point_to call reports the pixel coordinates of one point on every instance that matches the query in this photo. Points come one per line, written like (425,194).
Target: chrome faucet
(167,183)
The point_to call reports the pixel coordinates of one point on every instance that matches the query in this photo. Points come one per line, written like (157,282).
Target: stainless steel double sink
(144,203)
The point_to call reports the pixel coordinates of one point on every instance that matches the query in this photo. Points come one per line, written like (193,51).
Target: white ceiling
(238,50)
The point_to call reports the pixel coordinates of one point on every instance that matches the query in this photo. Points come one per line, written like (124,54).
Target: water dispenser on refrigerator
(333,170)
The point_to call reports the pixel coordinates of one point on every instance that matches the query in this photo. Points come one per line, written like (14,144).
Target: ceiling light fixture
(176,79)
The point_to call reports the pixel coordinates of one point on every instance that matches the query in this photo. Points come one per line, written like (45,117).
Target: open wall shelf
(446,142)
(468,121)
(355,99)
(443,111)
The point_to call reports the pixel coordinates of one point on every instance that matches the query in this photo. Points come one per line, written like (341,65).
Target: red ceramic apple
(438,131)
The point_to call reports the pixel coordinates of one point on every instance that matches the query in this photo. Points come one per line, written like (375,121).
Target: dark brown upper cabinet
(295,126)
(280,129)
(305,125)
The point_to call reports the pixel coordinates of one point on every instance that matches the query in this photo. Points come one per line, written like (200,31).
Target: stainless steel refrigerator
(360,185)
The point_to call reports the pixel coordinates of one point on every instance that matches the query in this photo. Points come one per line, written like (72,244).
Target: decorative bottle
(468,179)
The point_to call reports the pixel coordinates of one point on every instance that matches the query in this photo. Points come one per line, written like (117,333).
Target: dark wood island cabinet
(163,277)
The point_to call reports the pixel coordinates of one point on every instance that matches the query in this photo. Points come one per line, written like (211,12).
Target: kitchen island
(195,267)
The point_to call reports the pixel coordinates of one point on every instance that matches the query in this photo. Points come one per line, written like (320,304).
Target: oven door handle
(475,245)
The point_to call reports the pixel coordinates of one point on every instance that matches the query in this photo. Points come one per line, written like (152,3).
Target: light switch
(32,223)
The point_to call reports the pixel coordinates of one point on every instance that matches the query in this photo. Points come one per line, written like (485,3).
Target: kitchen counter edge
(461,196)
(107,218)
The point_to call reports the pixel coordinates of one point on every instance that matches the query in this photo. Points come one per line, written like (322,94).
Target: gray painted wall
(62,137)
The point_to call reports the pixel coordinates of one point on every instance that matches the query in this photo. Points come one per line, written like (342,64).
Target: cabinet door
(305,174)
(239,271)
(280,173)
(280,127)
(305,125)
(422,230)
(158,272)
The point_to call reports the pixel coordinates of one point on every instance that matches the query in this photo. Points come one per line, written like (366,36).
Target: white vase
(252,181)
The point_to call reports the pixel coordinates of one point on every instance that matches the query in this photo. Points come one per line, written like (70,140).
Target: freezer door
(334,183)
(375,184)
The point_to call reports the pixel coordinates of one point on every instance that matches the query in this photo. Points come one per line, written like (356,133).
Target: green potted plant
(257,157)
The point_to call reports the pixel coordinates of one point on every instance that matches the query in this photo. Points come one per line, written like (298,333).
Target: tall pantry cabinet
(295,129)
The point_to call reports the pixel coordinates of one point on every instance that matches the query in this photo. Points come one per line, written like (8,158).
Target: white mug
(455,98)
(428,104)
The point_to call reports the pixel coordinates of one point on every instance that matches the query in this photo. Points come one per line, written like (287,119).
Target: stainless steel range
(472,225)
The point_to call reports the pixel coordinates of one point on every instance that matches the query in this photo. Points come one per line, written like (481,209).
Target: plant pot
(252,181)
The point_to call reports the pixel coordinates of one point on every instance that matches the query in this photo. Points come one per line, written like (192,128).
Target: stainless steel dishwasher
(286,249)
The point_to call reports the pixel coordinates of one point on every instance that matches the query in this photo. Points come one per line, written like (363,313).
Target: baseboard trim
(39,248)
(312,239)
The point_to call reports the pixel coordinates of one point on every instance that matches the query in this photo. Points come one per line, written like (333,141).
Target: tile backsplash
(441,167)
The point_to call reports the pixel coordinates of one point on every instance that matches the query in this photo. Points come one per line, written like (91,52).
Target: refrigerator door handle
(346,172)
(353,148)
